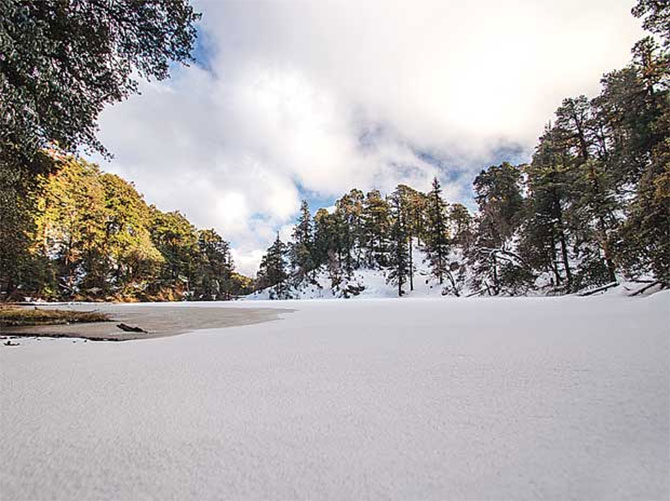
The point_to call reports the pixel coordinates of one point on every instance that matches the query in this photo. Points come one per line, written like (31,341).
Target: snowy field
(542,398)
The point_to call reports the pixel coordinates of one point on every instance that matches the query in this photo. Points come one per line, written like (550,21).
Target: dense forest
(591,208)
(91,236)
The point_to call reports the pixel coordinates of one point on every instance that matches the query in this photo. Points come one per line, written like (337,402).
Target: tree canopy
(64,60)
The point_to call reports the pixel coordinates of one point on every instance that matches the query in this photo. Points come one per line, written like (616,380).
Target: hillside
(376,283)
(364,283)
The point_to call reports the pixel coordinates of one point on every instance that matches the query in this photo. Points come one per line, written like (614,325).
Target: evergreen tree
(496,264)
(643,240)
(375,220)
(90,235)
(62,63)
(130,257)
(177,240)
(545,240)
(71,228)
(302,261)
(398,251)
(437,236)
(656,18)
(325,236)
(215,267)
(348,211)
(273,270)
(413,204)
(591,208)
(461,223)
(22,272)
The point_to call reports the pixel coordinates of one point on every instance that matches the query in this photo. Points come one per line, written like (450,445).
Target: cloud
(318,97)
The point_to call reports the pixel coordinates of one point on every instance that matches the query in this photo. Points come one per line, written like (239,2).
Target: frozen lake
(522,398)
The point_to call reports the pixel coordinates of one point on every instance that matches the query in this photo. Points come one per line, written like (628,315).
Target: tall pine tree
(437,236)
(398,248)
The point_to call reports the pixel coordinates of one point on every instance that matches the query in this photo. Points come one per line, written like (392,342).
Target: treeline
(81,234)
(590,209)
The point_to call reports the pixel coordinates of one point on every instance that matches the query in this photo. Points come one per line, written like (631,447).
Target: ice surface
(524,398)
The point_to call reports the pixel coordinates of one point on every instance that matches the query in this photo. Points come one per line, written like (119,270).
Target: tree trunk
(554,264)
(411,266)
(566,263)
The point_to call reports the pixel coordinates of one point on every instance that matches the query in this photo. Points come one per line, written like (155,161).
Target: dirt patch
(156,320)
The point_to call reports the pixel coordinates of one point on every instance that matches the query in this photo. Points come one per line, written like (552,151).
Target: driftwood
(599,289)
(643,289)
(130,328)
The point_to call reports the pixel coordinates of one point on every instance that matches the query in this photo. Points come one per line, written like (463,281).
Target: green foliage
(437,233)
(376,220)
(398,241)
(177,240)
(62,61)
(20,269)
(656,17)
(273,270)
(214,275)
(302,246)
(496,266)
(91,235)
(130,254)
(592,205)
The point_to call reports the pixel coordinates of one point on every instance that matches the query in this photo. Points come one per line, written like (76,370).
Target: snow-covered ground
(524,398)
(366,283)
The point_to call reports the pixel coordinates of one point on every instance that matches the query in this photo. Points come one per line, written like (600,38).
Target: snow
(372,283)
(523,398)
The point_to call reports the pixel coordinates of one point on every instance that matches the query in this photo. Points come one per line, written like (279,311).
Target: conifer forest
(591,208)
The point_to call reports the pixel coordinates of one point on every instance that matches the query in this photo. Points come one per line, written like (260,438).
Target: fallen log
(130,328)
(599,289)
(646,287)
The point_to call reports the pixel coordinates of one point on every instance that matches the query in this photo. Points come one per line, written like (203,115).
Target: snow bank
(551,398)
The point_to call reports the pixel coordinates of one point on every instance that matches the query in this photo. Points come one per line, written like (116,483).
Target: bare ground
(157,320)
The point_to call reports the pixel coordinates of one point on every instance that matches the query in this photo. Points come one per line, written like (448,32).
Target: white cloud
(325,96)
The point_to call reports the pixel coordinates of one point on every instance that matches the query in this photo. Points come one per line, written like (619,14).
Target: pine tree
(375,218)
(215,267)
(461,223)
(348,211)
(546,239)
(398,248)
(64,63)
(177,240)
(302,261)
(591,208)
(413,204)
(437,237)
(325,237)
(496,264)
(273,270)
(130,256)
(70,227)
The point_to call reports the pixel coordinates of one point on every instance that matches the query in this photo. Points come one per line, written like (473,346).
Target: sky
(291,100)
